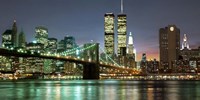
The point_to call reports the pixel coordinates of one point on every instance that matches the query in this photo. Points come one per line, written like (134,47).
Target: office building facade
(169,44)
(109,22)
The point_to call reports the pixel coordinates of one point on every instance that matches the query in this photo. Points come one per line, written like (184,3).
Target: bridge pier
(91,71)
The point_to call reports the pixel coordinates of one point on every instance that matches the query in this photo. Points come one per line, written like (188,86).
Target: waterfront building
(5,63)
(109,39)
(35,64)
(41,35)
(152,66)
(169,45)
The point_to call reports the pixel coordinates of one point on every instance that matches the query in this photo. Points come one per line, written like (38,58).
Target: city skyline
(143,19)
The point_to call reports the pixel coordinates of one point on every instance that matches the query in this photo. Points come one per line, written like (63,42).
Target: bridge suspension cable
(74,50)
(109,57)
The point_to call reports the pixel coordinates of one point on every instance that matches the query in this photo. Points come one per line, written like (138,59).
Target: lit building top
(185,43)
(130,39)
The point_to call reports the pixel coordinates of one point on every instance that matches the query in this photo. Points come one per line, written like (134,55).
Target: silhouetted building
(143,63)
(169,43)
(61,46)
(69,42)
(109,22)
(22,40)
(152,66)
(14,34)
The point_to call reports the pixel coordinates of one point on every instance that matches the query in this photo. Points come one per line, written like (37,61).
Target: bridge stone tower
(91,70)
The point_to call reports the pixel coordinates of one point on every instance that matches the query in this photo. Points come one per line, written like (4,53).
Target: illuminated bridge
(87,55)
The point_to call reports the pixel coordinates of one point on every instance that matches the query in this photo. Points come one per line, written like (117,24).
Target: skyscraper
(21,40)
(169,43)
(130,46)
(121,30)
(14,34)
(109,33)
(42,35)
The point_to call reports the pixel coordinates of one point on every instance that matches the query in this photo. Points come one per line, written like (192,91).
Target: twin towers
(109,28)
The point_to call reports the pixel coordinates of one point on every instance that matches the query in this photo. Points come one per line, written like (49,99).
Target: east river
(99,90)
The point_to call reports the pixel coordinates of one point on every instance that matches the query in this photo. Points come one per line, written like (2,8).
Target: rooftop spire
(122,9)
(130,39)
(185,43)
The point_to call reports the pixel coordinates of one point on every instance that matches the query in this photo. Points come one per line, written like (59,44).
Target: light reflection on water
(99,90)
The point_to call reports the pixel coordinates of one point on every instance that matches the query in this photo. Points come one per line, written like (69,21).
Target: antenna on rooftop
(122,10)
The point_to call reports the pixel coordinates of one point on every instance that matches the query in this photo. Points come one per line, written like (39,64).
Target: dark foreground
(99,90)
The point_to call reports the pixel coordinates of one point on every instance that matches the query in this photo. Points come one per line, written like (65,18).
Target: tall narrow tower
(14,34)
(109,33)
(130,46)
(130,53)
(121,30)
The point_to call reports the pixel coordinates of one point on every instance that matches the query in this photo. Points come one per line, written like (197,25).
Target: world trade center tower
(109,33)
(121,30)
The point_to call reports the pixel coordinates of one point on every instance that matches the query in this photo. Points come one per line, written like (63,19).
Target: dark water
(99,90)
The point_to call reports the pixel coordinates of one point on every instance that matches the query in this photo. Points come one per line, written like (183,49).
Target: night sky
(84,19)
